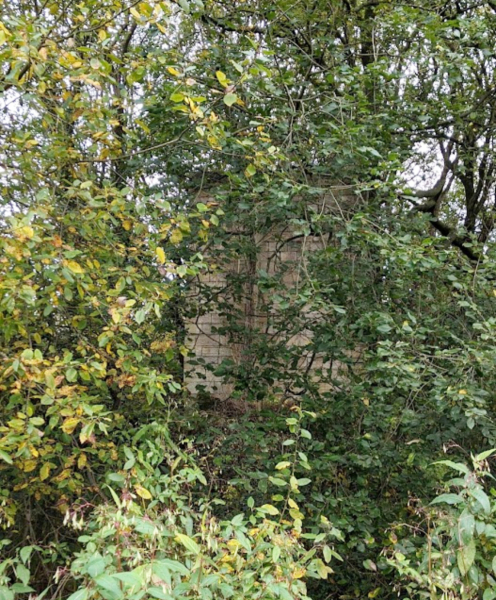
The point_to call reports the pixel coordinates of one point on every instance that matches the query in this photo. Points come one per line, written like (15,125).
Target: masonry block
(279,252)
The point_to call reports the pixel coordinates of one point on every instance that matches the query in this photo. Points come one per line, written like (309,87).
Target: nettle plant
(156,538)
(168,549)
(172,553)
(457,559)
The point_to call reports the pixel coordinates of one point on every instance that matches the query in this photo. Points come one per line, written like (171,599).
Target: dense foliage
(145,143)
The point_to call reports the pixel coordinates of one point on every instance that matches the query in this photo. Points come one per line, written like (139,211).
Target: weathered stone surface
(281,251)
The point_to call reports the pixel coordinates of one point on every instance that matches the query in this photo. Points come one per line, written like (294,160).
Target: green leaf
(238,520)
(109,583)
(448,499)
(25,553)
(140,316)
(184,4)
(230,99)
(95,566)
(177,97)
(80,594)
(466,527)
(277,481)
(250,170)
(159,593)
(160,570)
(460,467)
(23,574)
(129,578)
(6,457)
(188,543)
(370,565)
(21,588)
(465,557)
(483,455)
(304,433)
(303,481)
(482,499)
(71,374)
(6,593)
(174,566)
(283,593)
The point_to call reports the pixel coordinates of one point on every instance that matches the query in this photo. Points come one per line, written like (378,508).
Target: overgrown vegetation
(144,144)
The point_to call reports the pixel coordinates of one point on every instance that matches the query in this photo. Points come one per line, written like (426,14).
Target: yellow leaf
(127,225)
(135,13)
(82,460)
(160,255)
(69,425)
(45,471)
(282,465)
(293,504)
(29,465)
(462,392)
(221,78)
(299,572)
(272,510)
(176,236)
(24,233)
(142,492)
(173,71)
(92,82)
(84,437)
(75,267)
(227,558)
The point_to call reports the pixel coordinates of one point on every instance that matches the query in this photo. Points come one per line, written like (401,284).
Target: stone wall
(280,251)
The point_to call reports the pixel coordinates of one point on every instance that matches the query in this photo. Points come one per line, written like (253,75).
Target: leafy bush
(175,553)
(457,556)
(158,538)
